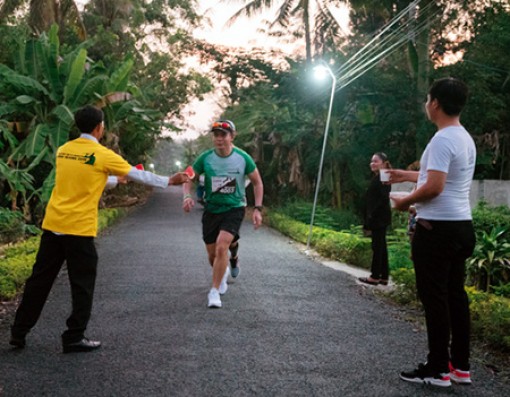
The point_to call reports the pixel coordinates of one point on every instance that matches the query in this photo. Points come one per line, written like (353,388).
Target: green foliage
(11,225)
(490,263)
(485,67)
(15,266)
(343,246)
(490,318)
(16,261)
(399,250)
(297,230)
(405,286)
(328,218)
(486,217)
(43,91)
(502,290)
(347,248)
(107,216)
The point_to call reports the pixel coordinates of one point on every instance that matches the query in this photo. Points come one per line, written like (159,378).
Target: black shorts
(229,221)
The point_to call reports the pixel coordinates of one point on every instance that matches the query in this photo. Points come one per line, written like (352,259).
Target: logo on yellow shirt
(89,159)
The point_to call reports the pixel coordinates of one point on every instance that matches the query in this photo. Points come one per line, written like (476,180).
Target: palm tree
(44,13)
(319,24)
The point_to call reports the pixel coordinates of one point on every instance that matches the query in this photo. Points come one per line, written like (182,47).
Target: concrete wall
(493,192)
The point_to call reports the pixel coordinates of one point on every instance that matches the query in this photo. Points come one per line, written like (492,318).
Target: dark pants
(439,250)
(379,254)
(80,255)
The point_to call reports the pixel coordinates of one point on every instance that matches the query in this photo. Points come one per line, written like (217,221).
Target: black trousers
(380,267)
(439,250)
(81,257)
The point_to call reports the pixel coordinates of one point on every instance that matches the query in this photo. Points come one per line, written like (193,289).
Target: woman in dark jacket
(376,220)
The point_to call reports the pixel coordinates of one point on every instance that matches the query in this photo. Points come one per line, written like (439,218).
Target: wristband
(258,207)
(187,196)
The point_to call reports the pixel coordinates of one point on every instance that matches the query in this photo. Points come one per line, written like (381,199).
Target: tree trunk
(43,13)
(308,40)
(337,186)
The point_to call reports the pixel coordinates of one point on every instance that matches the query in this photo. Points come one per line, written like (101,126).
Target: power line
(384,43)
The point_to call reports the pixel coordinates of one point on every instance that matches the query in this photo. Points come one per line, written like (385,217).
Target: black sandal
(369,280)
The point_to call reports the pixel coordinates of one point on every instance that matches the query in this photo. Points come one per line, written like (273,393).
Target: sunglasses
(222,124)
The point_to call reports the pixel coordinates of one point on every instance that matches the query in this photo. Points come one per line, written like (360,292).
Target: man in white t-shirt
(444,236)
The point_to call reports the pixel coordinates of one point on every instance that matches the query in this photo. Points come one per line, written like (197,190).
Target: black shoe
(369,280)
(17,341)
(427,376)
(85,345)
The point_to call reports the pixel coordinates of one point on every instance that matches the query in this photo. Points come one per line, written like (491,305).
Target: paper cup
(397,195)
(385,176)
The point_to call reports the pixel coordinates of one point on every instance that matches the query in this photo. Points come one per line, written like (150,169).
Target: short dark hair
(451,93)
(88,118)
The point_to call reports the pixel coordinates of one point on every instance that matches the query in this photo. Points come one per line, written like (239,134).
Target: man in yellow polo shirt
(83,167)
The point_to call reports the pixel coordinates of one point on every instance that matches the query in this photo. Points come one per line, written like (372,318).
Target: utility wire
(375,51)
(382,45)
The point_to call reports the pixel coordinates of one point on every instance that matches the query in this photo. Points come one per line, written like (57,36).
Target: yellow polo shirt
(82,169)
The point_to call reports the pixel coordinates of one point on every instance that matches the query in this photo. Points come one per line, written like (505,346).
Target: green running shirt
(224,178)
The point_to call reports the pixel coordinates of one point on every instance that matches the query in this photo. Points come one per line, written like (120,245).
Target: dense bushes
(325,217)
(490,318)
(343,246)
(486,217)
(15,266)
(12,226)
(489,267)
(16,261)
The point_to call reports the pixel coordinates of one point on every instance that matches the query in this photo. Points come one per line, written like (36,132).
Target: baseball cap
(224,125)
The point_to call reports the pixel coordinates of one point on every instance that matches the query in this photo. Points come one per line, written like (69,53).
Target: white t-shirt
(452,151)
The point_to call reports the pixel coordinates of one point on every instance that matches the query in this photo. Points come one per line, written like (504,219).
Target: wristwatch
(258,207)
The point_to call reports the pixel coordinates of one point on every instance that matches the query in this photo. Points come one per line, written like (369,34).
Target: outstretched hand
(396,176)
(178,178)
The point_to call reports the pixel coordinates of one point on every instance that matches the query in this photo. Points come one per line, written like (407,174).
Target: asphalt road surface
(289,326)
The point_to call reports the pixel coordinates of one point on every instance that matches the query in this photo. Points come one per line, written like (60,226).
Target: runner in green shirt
(224,168)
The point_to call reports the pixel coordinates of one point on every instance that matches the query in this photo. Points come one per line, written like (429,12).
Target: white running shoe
(224,286)
(214,298)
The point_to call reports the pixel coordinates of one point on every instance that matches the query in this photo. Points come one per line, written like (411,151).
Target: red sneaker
(459,376)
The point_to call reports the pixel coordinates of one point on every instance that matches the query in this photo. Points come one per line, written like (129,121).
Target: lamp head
(320,72)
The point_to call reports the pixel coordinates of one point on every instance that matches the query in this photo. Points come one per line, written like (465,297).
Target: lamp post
(320,71)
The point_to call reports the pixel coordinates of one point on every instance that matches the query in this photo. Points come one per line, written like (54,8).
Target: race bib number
(223,184)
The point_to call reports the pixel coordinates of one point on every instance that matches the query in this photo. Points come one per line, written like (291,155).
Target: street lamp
(321,71)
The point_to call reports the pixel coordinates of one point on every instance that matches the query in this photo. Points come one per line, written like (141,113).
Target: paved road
(289,326)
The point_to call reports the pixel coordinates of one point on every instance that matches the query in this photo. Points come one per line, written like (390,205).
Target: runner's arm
(258,191)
